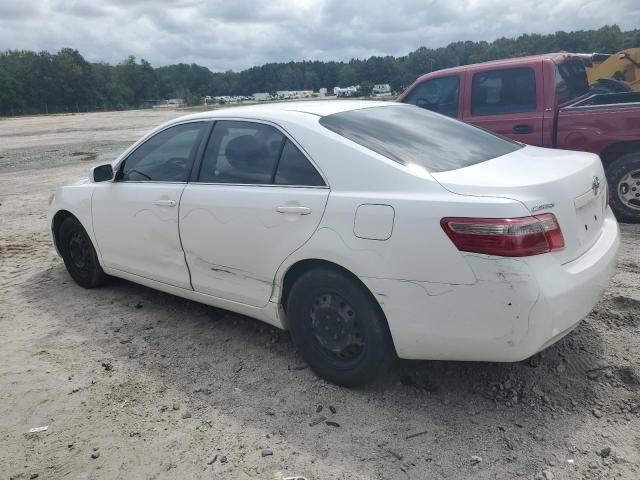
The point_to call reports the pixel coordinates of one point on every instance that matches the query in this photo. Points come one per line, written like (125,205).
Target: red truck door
(508,101)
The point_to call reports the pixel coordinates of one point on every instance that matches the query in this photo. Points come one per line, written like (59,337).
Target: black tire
(339,328)
(79,255)
(623,175)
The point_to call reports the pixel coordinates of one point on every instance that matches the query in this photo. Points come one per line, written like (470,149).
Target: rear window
(411,135)
(571,80)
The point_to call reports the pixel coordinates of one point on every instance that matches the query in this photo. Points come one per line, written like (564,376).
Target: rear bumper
(517,306)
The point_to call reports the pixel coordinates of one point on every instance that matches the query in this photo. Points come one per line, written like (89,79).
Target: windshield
(571,80)
(414,136)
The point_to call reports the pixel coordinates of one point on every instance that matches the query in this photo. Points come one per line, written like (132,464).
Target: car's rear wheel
(338,327)
(623,175)
(79,255)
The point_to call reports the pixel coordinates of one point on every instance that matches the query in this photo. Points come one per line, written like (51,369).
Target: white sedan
(370,230)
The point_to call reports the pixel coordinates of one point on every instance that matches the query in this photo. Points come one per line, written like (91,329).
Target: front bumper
(516,307)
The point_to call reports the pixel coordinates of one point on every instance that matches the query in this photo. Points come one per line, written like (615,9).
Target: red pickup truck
(545,100)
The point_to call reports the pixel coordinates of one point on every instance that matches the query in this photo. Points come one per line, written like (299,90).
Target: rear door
(507,101)
(256,200)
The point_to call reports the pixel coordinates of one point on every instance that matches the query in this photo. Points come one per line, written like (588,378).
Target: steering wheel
(426,104)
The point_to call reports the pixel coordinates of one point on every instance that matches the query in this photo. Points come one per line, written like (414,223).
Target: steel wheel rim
(629,189)
(79,252)
(337,329)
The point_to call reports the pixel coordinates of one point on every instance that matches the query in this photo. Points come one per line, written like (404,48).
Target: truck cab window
(500,92)
(438,95)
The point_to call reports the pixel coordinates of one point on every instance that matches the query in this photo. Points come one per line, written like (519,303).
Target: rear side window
(500,92)
(295,169)
(571,80)
(438,95)
(255,154)
(411,135)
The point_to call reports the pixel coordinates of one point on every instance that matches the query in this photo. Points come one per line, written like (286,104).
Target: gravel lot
(134,383)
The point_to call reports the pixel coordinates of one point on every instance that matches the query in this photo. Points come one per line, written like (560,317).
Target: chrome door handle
(165,203)
(294,210)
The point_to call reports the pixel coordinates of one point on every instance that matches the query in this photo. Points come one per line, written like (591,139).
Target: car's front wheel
(623,176)
(79,255)
(338,327)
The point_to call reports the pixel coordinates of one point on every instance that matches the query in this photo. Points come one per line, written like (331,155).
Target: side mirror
(102,173)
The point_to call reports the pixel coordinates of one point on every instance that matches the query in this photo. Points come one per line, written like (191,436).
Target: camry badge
(595,186)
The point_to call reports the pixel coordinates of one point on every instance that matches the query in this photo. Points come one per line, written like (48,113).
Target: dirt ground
(137,384)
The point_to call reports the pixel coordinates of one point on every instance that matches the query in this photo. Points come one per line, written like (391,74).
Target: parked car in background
(544,100)
(368,229)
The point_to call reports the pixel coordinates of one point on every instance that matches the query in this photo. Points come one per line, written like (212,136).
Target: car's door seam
(184,254)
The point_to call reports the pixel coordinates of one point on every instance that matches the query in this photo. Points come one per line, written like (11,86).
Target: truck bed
(608,100)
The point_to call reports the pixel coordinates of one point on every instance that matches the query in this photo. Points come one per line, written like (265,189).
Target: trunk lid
(545,181)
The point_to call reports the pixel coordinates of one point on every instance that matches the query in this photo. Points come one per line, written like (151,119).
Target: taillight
(506,237)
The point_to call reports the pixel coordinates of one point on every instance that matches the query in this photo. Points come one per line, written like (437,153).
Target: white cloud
(237,34)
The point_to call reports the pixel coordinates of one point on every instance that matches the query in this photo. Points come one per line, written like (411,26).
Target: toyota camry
(369,230)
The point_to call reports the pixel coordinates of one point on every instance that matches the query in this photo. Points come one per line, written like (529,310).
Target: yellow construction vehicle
(618,72)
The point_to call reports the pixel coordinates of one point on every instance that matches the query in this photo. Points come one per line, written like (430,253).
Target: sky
(237,34)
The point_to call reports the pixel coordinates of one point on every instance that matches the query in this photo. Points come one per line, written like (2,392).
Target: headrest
(244,152)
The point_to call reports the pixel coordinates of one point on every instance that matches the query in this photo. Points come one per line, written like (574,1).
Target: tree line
(43,82)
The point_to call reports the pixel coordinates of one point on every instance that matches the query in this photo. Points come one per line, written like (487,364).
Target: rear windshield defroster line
(412,135)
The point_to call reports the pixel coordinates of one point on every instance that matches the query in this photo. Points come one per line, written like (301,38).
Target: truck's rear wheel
(623,175)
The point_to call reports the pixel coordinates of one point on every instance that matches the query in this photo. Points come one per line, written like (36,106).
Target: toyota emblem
(595,186)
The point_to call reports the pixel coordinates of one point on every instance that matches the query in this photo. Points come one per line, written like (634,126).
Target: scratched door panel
(236,236)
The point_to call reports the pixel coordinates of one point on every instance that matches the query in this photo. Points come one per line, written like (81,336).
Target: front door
(258,198)
(135,217)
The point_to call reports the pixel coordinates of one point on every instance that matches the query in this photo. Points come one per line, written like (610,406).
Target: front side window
(501,92)
(414,136)
(165,157)
(254,154)
(438,95)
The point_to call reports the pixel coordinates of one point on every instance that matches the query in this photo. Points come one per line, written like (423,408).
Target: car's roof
(320,108)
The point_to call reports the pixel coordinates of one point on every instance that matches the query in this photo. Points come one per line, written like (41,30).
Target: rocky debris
(213,460)
(397,455)
(176,406)
(317,421)
(605,452)
(332,424)
(332,409)
(475,460)
(545,475)
(186,415)
(318,408)
(34,476)
(596,413)
(417,434)
(508,392)
(138,305)
(267,452)
(95,455)
(300,366)
(223,459)
(107,366)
